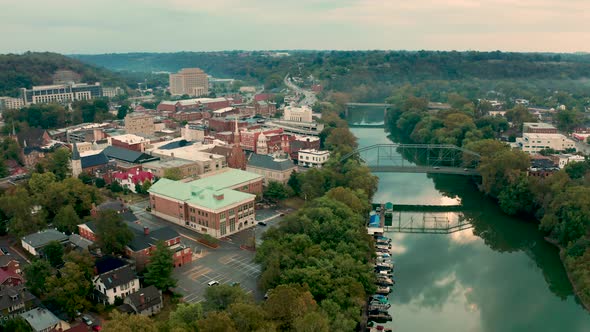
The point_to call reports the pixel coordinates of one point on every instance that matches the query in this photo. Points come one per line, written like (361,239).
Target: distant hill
(28,69)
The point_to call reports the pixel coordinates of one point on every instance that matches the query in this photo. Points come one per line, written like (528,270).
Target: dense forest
(371,75)
(28,69)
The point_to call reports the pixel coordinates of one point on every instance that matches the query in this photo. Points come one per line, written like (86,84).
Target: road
(310,98)
(227,264)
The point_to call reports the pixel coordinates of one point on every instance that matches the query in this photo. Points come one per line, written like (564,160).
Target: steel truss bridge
(417,158)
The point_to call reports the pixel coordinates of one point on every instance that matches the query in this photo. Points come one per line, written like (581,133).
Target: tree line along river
(500,275)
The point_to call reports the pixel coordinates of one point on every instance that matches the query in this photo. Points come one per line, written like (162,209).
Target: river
(498,276)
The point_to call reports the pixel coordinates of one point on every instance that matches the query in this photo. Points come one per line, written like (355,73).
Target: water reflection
(498,276)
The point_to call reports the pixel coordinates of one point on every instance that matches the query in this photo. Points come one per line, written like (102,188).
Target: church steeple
(75,153)
(236,132)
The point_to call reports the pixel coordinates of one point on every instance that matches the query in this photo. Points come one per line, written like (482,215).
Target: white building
(535,142)
(119,282)
(313,158)
(193,132)
(564,159)
(298,114)
(9,103)
(111,92)
(34,243)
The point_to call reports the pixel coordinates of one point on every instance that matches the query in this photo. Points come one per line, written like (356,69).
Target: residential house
(146,301)
(144,243)
(15,300)
(34,243)
(119,282)
(130,178)
(9,278)
(43,320)
(9,263)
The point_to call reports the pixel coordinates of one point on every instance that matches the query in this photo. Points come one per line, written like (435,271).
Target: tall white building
(189,81)
(535,142)
(298,114)
(313,157)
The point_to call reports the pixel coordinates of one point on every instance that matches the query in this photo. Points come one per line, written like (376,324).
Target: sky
(114,26)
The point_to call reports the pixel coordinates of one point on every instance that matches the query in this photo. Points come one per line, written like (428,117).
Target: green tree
(84,260)
(54,252)
(145,186)
(59,163)
(248,317)
(69,289)
(275,191)
(185,317)
(173,174)
(519,115)
(122,111)
(17,205)
(215,322)
(111,232)
(295,182)
(357,201)
(120,322)
(116,187)
(341,139)
(16,324)
(3,169)
(568,120)
(312,322)
(36,275)
(99,183)
(160,267)
(576,170)
(221,297)
(66,220)
(517,197)
(286,303)
(40,183)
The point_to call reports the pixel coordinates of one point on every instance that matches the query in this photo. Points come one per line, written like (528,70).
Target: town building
(302,143)
(9,278)
(144,243)
(218,205)
(43,320)
(112,92)
(34,243)
(196,152)
(538,128)
(128,156)
(146,301)
(271,168)
(265,108)
(10,264)
(534,142)
(197,104)
(561,160)
(541,166)
(313,158)
(129,142)
(128,179)
(189,116)
(189,81)
(119,282)
(10,103)
(137,123)
(298,114)
(187,168)
(250,139)
(193,132)
(15,300)
(33,144)
(61,93)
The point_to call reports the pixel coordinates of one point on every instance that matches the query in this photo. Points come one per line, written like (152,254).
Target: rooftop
(170,163)
(314,151)
(42,238)
(206,197)
(269,162)
(542,125)
(229,178)
(117,277)
(145,298)
(9,296)
(142,241)
(40,319)
(129,156)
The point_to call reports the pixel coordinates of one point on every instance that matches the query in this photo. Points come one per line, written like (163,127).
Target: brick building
(128,141)
(137,123)
(218,205)
(249,138)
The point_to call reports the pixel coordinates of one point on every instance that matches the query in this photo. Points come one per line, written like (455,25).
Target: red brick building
(249,138)
(9,264)
(219,125)
(9,278)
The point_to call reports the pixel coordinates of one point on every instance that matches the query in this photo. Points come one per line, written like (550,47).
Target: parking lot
(227,264)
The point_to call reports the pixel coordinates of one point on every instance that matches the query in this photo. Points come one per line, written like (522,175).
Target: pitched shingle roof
(94,160)
(151,297)
(117,277)
(268,162)
(9,296)
(141,241)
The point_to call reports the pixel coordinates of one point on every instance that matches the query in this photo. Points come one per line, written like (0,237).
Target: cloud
(167,25)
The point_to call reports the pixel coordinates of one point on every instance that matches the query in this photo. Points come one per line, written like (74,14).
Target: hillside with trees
(29,69)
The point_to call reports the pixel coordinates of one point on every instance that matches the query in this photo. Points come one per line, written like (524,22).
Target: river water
(498,276)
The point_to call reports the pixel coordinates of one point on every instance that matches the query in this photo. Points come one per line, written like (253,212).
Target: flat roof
(544,135)
(168,163)
(228,178)
(538,125)
(207,197)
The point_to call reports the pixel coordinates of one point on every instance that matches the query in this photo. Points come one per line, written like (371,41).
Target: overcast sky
(105,26)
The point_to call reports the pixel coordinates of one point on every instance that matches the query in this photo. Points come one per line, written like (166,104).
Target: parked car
(213,283)
(261,223)
(96,328)
(87,320)
(4,251)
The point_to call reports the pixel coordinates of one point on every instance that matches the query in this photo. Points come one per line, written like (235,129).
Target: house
(313,158)
(43,320)
(144,243)
(116,206)
(108,263)
(9,278)
(34,243)
(15,300)
(563,159)
(8,263)
(119,282)
(129,179)
(80,243)
(273,169)
(146,301)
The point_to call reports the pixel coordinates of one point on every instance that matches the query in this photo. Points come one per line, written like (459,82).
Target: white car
(213,283)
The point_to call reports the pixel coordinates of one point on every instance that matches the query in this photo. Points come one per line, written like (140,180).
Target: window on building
(222,228)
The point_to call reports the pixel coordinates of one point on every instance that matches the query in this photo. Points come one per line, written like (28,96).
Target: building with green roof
(217,205)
